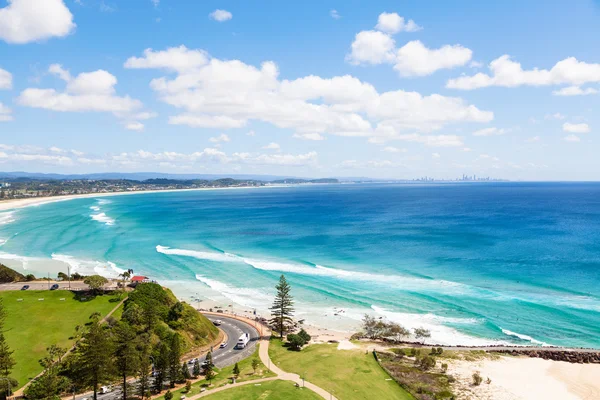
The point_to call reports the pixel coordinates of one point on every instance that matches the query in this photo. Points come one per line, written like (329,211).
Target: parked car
(54,287)
(25,287)
(223,345)
(104,389)
(193,360)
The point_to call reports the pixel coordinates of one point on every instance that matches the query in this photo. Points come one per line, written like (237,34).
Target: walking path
(263,353)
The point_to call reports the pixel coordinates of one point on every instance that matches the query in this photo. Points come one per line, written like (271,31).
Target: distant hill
(8,275)
(296,181)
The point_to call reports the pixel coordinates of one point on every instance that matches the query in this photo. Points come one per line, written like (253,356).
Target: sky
(380,89)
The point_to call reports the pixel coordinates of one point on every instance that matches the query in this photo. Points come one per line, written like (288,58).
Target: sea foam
(246,297)
(103,218)
(7,217)
(107,269)
(523,337)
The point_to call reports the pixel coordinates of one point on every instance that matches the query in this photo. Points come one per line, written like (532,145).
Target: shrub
(304,335)
(188,386)
(295,341)
(477,379)
(426,363)
(440,351)
(444,367)
(168,395)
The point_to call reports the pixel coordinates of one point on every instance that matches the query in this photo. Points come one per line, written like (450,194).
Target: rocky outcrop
(576,357)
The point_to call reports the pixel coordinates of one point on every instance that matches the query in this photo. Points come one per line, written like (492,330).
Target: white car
(223,345)
(217,322)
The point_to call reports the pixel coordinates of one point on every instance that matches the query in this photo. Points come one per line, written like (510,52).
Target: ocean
(476,263)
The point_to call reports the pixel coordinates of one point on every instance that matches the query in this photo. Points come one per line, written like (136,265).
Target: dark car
(25,287)
(54,287)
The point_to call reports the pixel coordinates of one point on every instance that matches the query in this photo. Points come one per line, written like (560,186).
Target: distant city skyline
(379,89)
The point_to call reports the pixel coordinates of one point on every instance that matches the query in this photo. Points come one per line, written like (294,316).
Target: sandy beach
(521,378)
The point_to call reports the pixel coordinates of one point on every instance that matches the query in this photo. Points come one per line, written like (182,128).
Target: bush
(188,386)
(426,363)
(168,395)
(477,379)
(488,381)
(295,342)
(440,351)
(304,335)
(444,368)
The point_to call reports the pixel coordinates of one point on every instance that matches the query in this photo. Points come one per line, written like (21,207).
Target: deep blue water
(475,263)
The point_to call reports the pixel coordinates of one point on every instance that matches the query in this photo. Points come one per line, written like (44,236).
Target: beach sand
(521,378)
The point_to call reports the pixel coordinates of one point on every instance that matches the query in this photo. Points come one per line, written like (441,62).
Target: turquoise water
(476,263)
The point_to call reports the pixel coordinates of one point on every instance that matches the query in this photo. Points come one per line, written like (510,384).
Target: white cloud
(414,59)
(87,92)
(134,126)
(272,146)
(24,21)
(178,59)
(574,91)
(221,15)
(309,136)
(221,138)
(508,73)
(334,14)
(354,164)
(230,94)
(5,113)
(155,3)
(5,80)
(572,138)
(576,128)
(393,23)
(558,116)
(475,64)
(435,155)
(372,47)
(391,149)
(493,131)
(251,133)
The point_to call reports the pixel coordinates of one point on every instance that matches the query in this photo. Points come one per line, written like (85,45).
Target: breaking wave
(523,337)
(103,218)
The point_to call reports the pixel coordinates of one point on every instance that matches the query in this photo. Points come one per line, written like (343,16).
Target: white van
(243,341)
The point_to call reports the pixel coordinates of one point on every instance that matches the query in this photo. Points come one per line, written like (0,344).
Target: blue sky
(383,89)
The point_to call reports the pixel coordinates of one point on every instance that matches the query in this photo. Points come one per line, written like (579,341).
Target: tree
(50,384)
(209,372)
(236,370)
(95,356)
(304,335)
(426,363)
(168,395)
(282,309)
(143,366)
(126,355)
(196,370)
(295,341)
(7,362)
(62,276)
(95,282)
(422,334)
(161,366)
(255,364)
(185,371)
(174,359)
(188,386)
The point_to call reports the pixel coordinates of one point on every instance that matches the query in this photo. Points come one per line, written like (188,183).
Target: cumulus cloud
(574,91)
(220,15)
(572,138)
(5,79)
(272,146)
(218,139)
(493,131)
(134,126)
(413,59)
(24,21)
(508,73)
(309,136)
(576,128)
(393,23)
(86,92)
(178,59)
(5,113)
(229,94)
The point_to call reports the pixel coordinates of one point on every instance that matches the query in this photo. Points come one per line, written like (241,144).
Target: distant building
(4,185)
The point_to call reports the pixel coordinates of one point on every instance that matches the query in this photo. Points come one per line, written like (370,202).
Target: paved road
(222,357)
(44,285)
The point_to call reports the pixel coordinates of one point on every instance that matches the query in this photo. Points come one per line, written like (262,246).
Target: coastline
(14,204)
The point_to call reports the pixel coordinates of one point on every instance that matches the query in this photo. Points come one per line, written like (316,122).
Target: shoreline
(14,204)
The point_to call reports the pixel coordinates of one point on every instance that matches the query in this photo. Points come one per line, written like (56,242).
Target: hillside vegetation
(8,275)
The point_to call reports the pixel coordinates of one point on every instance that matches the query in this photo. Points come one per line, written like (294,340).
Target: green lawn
(224,375)
(32,325)
(272,390)
(350,374)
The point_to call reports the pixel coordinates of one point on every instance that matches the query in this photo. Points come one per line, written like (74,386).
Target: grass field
(33,325)
(224,375)
(272,390)
(349,374)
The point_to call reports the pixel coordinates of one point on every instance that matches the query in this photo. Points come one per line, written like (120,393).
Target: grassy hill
(271,390)
(8,275)
(152,304)
(32,324)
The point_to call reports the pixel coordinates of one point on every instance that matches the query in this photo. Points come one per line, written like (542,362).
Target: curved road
(222,357)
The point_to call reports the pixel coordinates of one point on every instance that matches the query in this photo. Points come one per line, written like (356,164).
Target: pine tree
(95,353)
(161,366)
(175,360)
(236,370)
(125,353)
(143,367)
(7,362)
(255,364)
(185,371)
(282,308)
(196,371)
(209,373)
